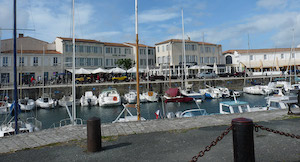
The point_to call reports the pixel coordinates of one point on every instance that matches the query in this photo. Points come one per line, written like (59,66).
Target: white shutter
(40,61)
(9,61)
(47,59)
(25,61)
(1,60)
(58,60)
(31,61)
(18,61)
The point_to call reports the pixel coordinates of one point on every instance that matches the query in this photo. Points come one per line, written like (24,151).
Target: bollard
(243,142)
(94,134)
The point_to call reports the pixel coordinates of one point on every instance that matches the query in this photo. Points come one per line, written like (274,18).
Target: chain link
(256,127)
(213,143)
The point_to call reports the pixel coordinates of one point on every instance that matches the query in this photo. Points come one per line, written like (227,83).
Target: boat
(65,101)
(4,107)
(127,118)
(130,97)
(45,102)
(26,104)
(188,92)
(224,92)
(88,99)
(143,99)
(213,93)
(109,97)
(150,96)
(234,94)
(257,90)
(191,113)
(173,95)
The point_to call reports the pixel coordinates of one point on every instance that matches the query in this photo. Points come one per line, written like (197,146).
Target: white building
(262,59)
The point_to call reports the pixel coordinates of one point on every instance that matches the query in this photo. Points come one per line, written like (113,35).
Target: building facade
(257,60)
(197,53)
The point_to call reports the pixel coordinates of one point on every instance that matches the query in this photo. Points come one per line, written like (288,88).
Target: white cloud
(271,4)
(157,15)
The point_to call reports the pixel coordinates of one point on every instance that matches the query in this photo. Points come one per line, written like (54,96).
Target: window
(127,51)
(157,49)
(81,61)
(213,49)
(282,56)
(201,60)
(293,55)
(88,49)
(96,62)
(201,49)
(168,47)
(68,61)
(108,50)
(81,49)
(115,50)
(21,61)
(163,48)
(265,57)
(35,61)
(4,77)
(193,58)
(100,50)
(207,49)
(187,58)
(150,52)
(212,60)
(142,51)
(206,60)
(95,49)
(251,57)
(54,61)
(88,62)
(106,62)
(5,61)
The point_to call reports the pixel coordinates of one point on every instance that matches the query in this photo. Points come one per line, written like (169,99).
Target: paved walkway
(68,133)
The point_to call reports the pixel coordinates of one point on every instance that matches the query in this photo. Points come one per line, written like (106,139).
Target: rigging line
(71,20)
(31,16)
(79,28)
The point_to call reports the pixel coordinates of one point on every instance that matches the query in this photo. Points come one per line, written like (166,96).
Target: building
(262,59)
(197,53)
(33,57)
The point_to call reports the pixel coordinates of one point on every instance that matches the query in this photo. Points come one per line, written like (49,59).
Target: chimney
(21,35)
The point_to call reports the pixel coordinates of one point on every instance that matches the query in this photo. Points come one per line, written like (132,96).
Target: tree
(125,63)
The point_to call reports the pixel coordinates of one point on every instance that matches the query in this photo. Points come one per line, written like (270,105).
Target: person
(32,80)
(98,78)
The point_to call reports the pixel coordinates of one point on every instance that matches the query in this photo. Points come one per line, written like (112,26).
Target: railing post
(94,134)
(243,142)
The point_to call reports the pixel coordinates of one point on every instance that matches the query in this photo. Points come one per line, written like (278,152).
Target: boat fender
(115,98)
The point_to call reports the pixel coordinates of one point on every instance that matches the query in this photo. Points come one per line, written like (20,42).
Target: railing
(68,121)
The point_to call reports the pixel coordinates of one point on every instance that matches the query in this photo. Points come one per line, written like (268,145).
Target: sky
(232,23)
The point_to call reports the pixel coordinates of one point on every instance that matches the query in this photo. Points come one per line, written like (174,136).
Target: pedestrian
(32,80)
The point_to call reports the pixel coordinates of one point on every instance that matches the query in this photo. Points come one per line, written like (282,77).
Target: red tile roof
(140,45)
(115,44)
(270,50)
(180,40)
(80,40)
(33,51)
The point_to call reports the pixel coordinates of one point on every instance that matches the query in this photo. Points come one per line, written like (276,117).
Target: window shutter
(9,61)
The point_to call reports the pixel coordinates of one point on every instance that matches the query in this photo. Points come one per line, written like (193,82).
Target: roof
(115,44)
(140,45)
(33,51)
(80,40)
(27,37)
(270,50)
(186,41)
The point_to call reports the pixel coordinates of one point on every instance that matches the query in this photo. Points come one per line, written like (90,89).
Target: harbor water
(108,114)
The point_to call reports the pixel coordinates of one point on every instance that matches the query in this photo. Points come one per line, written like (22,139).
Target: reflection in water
(108,114)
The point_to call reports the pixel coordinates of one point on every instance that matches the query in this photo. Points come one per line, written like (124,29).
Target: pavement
(157,140)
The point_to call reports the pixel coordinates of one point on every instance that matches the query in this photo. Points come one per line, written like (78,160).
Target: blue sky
(270,23)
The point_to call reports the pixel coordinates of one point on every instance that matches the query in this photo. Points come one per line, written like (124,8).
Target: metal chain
(213,143)
(256,127)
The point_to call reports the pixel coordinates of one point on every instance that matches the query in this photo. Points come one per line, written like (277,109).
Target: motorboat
(30,125)
(173,95)
(45,102)
(88,99)
(4,108)
(109,97)
(129,117)
(231,107)
(26,104)
(224,91)
(191,113)
(213,93)
(257,90)
(65,101)
(150,96)
(130,97)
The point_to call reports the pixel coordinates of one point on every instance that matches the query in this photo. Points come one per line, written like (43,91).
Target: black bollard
(243,142)
(94,134)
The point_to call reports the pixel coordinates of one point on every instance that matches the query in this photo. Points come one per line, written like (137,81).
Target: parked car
(120,78)
(83,79)
(155,77)
(207,75)
(240,74)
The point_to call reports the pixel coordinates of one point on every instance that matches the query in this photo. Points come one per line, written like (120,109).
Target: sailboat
(14,125)
(45,101)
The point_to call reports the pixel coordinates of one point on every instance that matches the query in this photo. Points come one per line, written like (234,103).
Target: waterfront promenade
(76,133)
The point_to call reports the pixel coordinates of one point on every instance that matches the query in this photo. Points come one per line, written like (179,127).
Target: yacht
(212,93)
(130,97)
(257,90)
(173,95)
(65,101)
(150,96)
(45,102)
(109,97)
(88,99)
(26,104)
(188,92)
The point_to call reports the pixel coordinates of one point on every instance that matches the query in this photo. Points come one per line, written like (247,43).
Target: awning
(80,71)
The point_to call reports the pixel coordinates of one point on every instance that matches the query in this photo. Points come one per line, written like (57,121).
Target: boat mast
(73,70)
(169,65)
(16,105)
(137,63)
(147,70)
(293,47)
(21,76)
(183,48)
(43,72)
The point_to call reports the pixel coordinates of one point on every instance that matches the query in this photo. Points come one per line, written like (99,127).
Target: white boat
(213,93)
(30,125)
(188,92)
(109,97)
(191,113)
(130,97)
(26,104)
(45,102)
(150,96)
(4,108)
(129,117)
(234,94)
(143,98)
(257,90)
(224,91)
(88,99)
(65,101)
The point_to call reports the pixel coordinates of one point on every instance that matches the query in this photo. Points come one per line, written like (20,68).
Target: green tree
(125,63)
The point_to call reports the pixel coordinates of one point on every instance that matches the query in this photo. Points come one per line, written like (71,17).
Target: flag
(157,114)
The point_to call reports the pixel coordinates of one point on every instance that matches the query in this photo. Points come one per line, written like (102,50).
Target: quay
(11,147)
